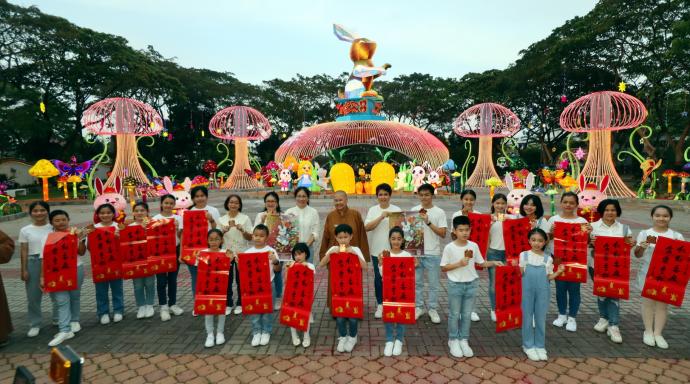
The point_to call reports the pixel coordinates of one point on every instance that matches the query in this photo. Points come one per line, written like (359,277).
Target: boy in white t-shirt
(458,261)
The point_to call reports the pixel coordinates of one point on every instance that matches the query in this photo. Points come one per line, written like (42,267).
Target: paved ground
(149,350)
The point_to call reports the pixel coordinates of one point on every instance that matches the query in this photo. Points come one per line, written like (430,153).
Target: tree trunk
(679,147)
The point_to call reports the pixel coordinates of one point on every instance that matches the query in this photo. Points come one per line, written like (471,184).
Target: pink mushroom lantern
(485,121)
(598,114)
(241,124)
(125,119)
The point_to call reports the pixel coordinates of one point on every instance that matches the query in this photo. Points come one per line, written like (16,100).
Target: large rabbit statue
(364,72)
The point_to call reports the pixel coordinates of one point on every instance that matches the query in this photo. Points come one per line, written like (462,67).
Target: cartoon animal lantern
(590,196)
(110,195)
(285,177)
(183,199)
(519,186)
(321,177)
(363,186)
(418,175)
(435,178)
(304,174)
(364,72)
(402,179)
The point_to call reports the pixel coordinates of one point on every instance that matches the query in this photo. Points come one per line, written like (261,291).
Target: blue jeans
(568,297)
(378,280)
(192,272)
(144,290)
(609,308)
(432,266)
(343,323)
(67,303)
(208,324)
(166,285)
(262,323)
(102,300)
(34,294)
(399,331)
(536,293)
(494,255)
(278,283)
(461,301)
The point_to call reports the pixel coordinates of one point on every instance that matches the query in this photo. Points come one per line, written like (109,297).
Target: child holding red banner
(468,197)
(537,270)
(497,247)
(200,199)
(343,235)
(567,292)
(394,343)
(215,336)
(458,261)
(609,308)
(301,253)
(166,282)
(143,286)
(654,312)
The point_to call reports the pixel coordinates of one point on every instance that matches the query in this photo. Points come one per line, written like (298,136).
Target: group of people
(371,239)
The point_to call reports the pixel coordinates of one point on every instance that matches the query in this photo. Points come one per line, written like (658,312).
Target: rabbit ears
(343,34)
(529,182)
(582,183)
(98,184)
(168,184)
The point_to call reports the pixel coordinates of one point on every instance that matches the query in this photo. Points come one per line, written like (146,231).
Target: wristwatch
(428,223)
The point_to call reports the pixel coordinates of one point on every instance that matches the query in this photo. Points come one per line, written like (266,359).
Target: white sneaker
(418,312)
(105,319)
(228,311)
(531,353)
(306,340)
(541,353)
(493,316)
(75,326)
(433,315)
(276,305)
(150,312)
(341,344)
(466,350)
(615,334)
(165,313)
(237,310)
(560,320)
(388,349)
(454,346)
(571,325)
(295,337)
(141,312)
(33,332)
(210,341)
(265,338)
(379,312)
(60,337)
(397,348)
(601,325)
(474,316)
(176,310)
(117,317)
(648,338)
(256,340)
(350,343)
(194,314)
(220,338)
(661,342)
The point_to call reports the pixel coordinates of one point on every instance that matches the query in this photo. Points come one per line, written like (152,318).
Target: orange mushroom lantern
(684,178)
(669,174)
(44,169)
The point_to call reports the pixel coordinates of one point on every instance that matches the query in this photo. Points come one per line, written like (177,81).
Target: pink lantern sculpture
(485,121)
(599,114)
(125,119)
(240,123)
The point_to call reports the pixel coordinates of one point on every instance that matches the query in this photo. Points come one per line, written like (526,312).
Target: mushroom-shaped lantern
(599,114)
(485,121)
(44,169)
(125,119)
(684,178)
(669,174)
(240,123)
(74,179)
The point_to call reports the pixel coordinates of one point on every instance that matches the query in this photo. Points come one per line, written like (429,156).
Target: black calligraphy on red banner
(669,272)
(515,233)
(399,290)
(106,263)
(570,249)
(60,262)
(212,283)
(508,298)
(255,281)
(298,298)
(194,235)
(611,267)
(346,286)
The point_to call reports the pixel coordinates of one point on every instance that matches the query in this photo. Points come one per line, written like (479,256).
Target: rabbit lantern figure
(418,174)
(590,196)
(183,199)
(112,196)
(364,72)
(517,191)
(285,178)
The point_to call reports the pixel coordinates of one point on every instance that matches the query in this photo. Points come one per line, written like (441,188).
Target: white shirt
(554,219)
(36,237)
(356,250)
(432,241)
(378,237)
(178,223)
(233,239)
(453,253)
(268,249)
(599,228)
(496,233)
(402,253)
(536,260)
(212,210)
(307,221)
(459,213)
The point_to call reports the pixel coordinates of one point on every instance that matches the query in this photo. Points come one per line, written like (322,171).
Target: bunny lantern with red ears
(112,196)
(590,196)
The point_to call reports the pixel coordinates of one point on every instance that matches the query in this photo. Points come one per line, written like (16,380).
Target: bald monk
(343,215)
(6,250)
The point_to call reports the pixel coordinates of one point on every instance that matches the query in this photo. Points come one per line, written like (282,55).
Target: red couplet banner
(255,281)
(515,236)
(570,249)
(346,286)
(398,290)
(212,283)
(508,298)
(611,267)
(104,248)
(161,248)
(60,262)
(669,272)
(194,235)
(298,297)
(133,252)
(480,225)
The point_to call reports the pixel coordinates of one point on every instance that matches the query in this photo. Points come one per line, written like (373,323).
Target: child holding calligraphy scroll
(215,242)
(497,246)
(166,282)
(567,292)
(143,286)
(458,261)
(654,312)
(537,270)
(468,198)
(343,235)
(301,254)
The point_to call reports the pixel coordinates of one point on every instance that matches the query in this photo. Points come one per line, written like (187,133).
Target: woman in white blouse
(237,230)
(307,218)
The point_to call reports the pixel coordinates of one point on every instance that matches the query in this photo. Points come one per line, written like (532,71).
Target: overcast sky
(263,40)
